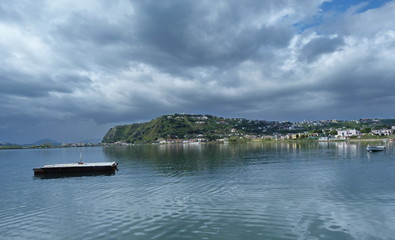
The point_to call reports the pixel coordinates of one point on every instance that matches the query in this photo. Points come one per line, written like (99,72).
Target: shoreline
(239,141)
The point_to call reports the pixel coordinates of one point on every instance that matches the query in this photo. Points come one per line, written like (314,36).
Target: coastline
(233,141)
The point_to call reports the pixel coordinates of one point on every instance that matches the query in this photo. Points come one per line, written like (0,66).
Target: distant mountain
(47,141)
(6,144)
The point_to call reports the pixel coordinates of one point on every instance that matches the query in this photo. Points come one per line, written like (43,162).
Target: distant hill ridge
(198,127)
(7,144)
(183,126)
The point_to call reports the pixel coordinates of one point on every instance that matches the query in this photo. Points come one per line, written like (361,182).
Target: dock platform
(71,168)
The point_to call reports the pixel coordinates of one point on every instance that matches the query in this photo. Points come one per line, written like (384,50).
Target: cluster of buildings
(342,134)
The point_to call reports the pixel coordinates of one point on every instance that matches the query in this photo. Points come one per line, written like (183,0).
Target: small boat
(375,148)
(77,168)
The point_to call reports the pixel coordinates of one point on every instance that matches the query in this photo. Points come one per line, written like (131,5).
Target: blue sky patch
(343,5)
(339,6)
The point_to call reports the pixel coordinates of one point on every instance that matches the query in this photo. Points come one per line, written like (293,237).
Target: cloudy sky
(71,69)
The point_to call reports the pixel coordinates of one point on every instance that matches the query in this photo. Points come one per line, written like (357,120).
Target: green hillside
(183,126)
(179,127)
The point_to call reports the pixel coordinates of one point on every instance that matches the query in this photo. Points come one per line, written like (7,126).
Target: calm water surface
(251,191)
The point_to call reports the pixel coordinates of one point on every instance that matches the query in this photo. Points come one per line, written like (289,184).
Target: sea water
(203,191)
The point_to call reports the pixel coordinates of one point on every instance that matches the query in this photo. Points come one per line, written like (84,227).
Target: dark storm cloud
(356,85)
(90,43)
(94,30)
(182,32)
(173,35)
(125,61)
(24,85)
(319,46)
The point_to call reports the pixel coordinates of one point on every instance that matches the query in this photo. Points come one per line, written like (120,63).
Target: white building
(383,132)
(347,133)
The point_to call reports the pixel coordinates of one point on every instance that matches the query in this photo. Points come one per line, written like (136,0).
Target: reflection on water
(251,191)
(182,159)
(198,157)
(70,175)
(192,158)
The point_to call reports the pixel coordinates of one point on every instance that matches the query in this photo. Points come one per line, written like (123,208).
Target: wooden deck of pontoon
(70,168)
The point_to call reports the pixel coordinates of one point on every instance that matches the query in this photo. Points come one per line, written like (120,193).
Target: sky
(70,70)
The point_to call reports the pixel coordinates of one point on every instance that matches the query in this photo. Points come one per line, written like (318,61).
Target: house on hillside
(383,132)
(347,133)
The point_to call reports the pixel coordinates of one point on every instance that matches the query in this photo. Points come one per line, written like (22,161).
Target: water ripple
(272,191)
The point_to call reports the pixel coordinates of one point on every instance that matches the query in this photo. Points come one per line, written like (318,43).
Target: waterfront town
(206,128)
(326,135)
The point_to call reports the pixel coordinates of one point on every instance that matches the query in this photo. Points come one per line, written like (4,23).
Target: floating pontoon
(77,168)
